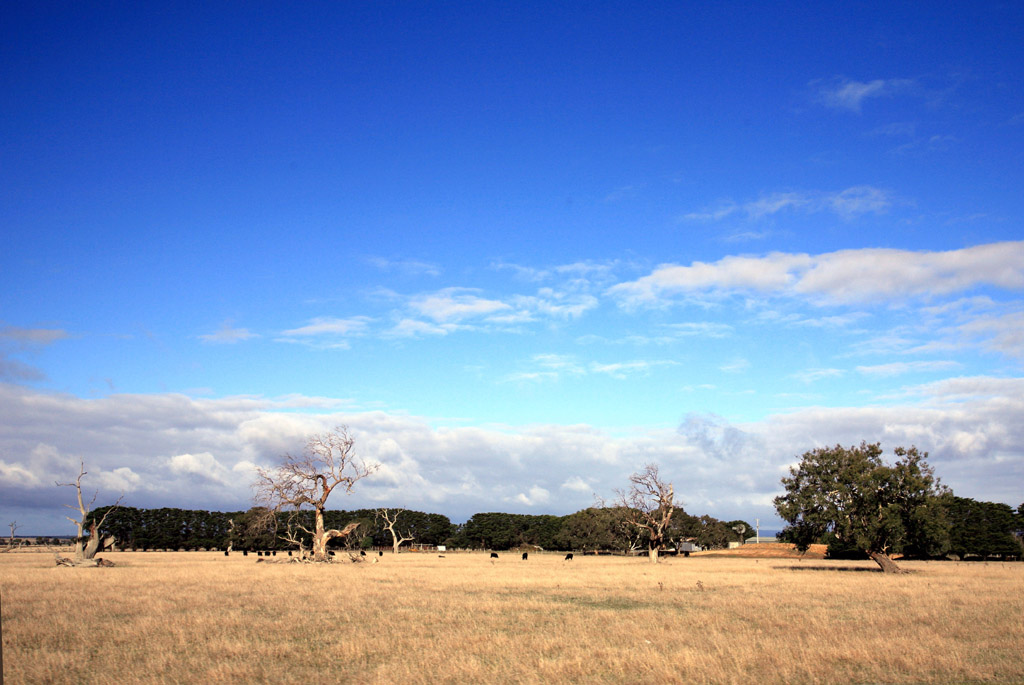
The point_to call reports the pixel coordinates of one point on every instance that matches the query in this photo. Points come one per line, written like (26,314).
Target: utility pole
(757,524)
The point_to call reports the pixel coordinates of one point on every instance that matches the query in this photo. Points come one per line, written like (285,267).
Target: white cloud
(537,496)
(329,325)
(204,465)
(973,428)
(17,476)
(622,370)
(412,328)
(850,95)
(900,368)
(455,304)
(228,334)
(847,276)
(577,484)
(735,366)
(120,480)
(1002,333)
(813,375)
(408,267)
(847,204)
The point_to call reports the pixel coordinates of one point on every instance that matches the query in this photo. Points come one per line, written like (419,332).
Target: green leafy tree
(591,529)
(854,495)
(982,528)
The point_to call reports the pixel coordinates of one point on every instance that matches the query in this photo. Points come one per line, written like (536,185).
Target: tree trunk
(885,563)
(319,538)
(93,544)
(79,543)
(652,554)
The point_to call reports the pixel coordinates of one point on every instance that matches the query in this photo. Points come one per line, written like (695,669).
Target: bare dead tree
(12,543)
(303,483)
(86,549)
(648,506)
(390,517)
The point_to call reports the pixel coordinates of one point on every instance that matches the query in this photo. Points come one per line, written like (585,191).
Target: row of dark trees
(592,529)
(596,528)
(257,529)
(983,529)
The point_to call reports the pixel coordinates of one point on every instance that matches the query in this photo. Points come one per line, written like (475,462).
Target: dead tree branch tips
(305,482)
(83,549)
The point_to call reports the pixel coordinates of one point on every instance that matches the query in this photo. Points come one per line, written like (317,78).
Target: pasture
(179,617)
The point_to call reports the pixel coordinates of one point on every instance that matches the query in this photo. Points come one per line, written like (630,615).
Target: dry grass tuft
(417,618)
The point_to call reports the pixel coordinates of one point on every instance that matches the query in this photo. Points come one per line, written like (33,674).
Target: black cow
(568,557)
(494,555)
(380,553)
(362,553)
(227,553)
(525,555)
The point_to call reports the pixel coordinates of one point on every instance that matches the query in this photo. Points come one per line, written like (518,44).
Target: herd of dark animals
(362,553)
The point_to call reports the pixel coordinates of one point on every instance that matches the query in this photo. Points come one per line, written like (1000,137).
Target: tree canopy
(853,494)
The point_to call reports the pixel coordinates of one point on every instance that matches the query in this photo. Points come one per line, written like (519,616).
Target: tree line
(591,529)
(980,529)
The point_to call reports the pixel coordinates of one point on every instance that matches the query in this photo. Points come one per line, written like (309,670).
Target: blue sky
(520,250)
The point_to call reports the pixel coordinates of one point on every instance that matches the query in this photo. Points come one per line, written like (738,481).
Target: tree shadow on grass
(842,569)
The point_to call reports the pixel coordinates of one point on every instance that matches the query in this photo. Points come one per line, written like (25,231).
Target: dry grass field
(417,618)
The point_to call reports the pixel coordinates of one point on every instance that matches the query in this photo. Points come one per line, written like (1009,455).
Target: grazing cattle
(568,557)
(274,553)
(525,555)
(494,555)
(227,553)
(245,552)
(380,553)
(289,552)
(362,553)
(259,554)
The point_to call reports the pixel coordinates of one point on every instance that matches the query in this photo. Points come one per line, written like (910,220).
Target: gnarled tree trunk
(321,537)
(885,563)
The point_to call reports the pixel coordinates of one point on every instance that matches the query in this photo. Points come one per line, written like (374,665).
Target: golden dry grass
(416,618)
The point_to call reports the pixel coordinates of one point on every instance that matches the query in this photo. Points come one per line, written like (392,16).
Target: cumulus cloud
(204,465)
(536,496)
(577,484)
(170,450)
